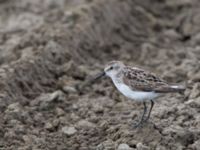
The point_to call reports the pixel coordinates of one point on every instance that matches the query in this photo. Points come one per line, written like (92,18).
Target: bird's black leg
(142,119)
(152,104)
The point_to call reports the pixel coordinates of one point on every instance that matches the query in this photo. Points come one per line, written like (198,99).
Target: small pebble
(69,130)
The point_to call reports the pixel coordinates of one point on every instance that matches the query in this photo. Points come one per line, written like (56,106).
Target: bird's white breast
(135,95)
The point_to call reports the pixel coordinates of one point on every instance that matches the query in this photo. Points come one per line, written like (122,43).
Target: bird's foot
(139,124)
(146,119)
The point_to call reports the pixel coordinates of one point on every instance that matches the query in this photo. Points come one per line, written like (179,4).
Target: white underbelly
(135,95)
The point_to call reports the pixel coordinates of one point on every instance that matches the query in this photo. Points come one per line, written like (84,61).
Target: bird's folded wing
(140,80)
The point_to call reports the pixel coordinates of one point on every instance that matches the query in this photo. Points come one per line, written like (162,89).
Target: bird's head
(113,67)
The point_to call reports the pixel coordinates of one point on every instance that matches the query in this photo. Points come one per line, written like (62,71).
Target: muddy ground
(48,47)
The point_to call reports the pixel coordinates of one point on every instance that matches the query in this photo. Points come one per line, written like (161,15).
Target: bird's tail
(170,89)
(178,88)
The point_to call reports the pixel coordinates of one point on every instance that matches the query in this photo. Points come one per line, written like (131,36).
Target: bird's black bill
(98,76)
(91,81)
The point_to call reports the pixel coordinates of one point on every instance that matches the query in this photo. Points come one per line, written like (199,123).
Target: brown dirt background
(49,46)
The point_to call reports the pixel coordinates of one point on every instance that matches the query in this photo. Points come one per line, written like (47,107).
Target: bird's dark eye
(111,68)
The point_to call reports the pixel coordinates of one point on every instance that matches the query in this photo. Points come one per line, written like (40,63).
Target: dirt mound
(47,47)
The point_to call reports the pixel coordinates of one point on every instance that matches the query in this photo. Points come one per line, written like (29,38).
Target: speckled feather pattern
(141,80)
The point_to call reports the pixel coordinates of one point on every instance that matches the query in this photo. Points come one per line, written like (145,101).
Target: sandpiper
(138,85)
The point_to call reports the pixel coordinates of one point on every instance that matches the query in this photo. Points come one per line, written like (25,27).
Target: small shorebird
(138,84)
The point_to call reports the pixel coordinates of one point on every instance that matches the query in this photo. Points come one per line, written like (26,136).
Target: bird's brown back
(140,80)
